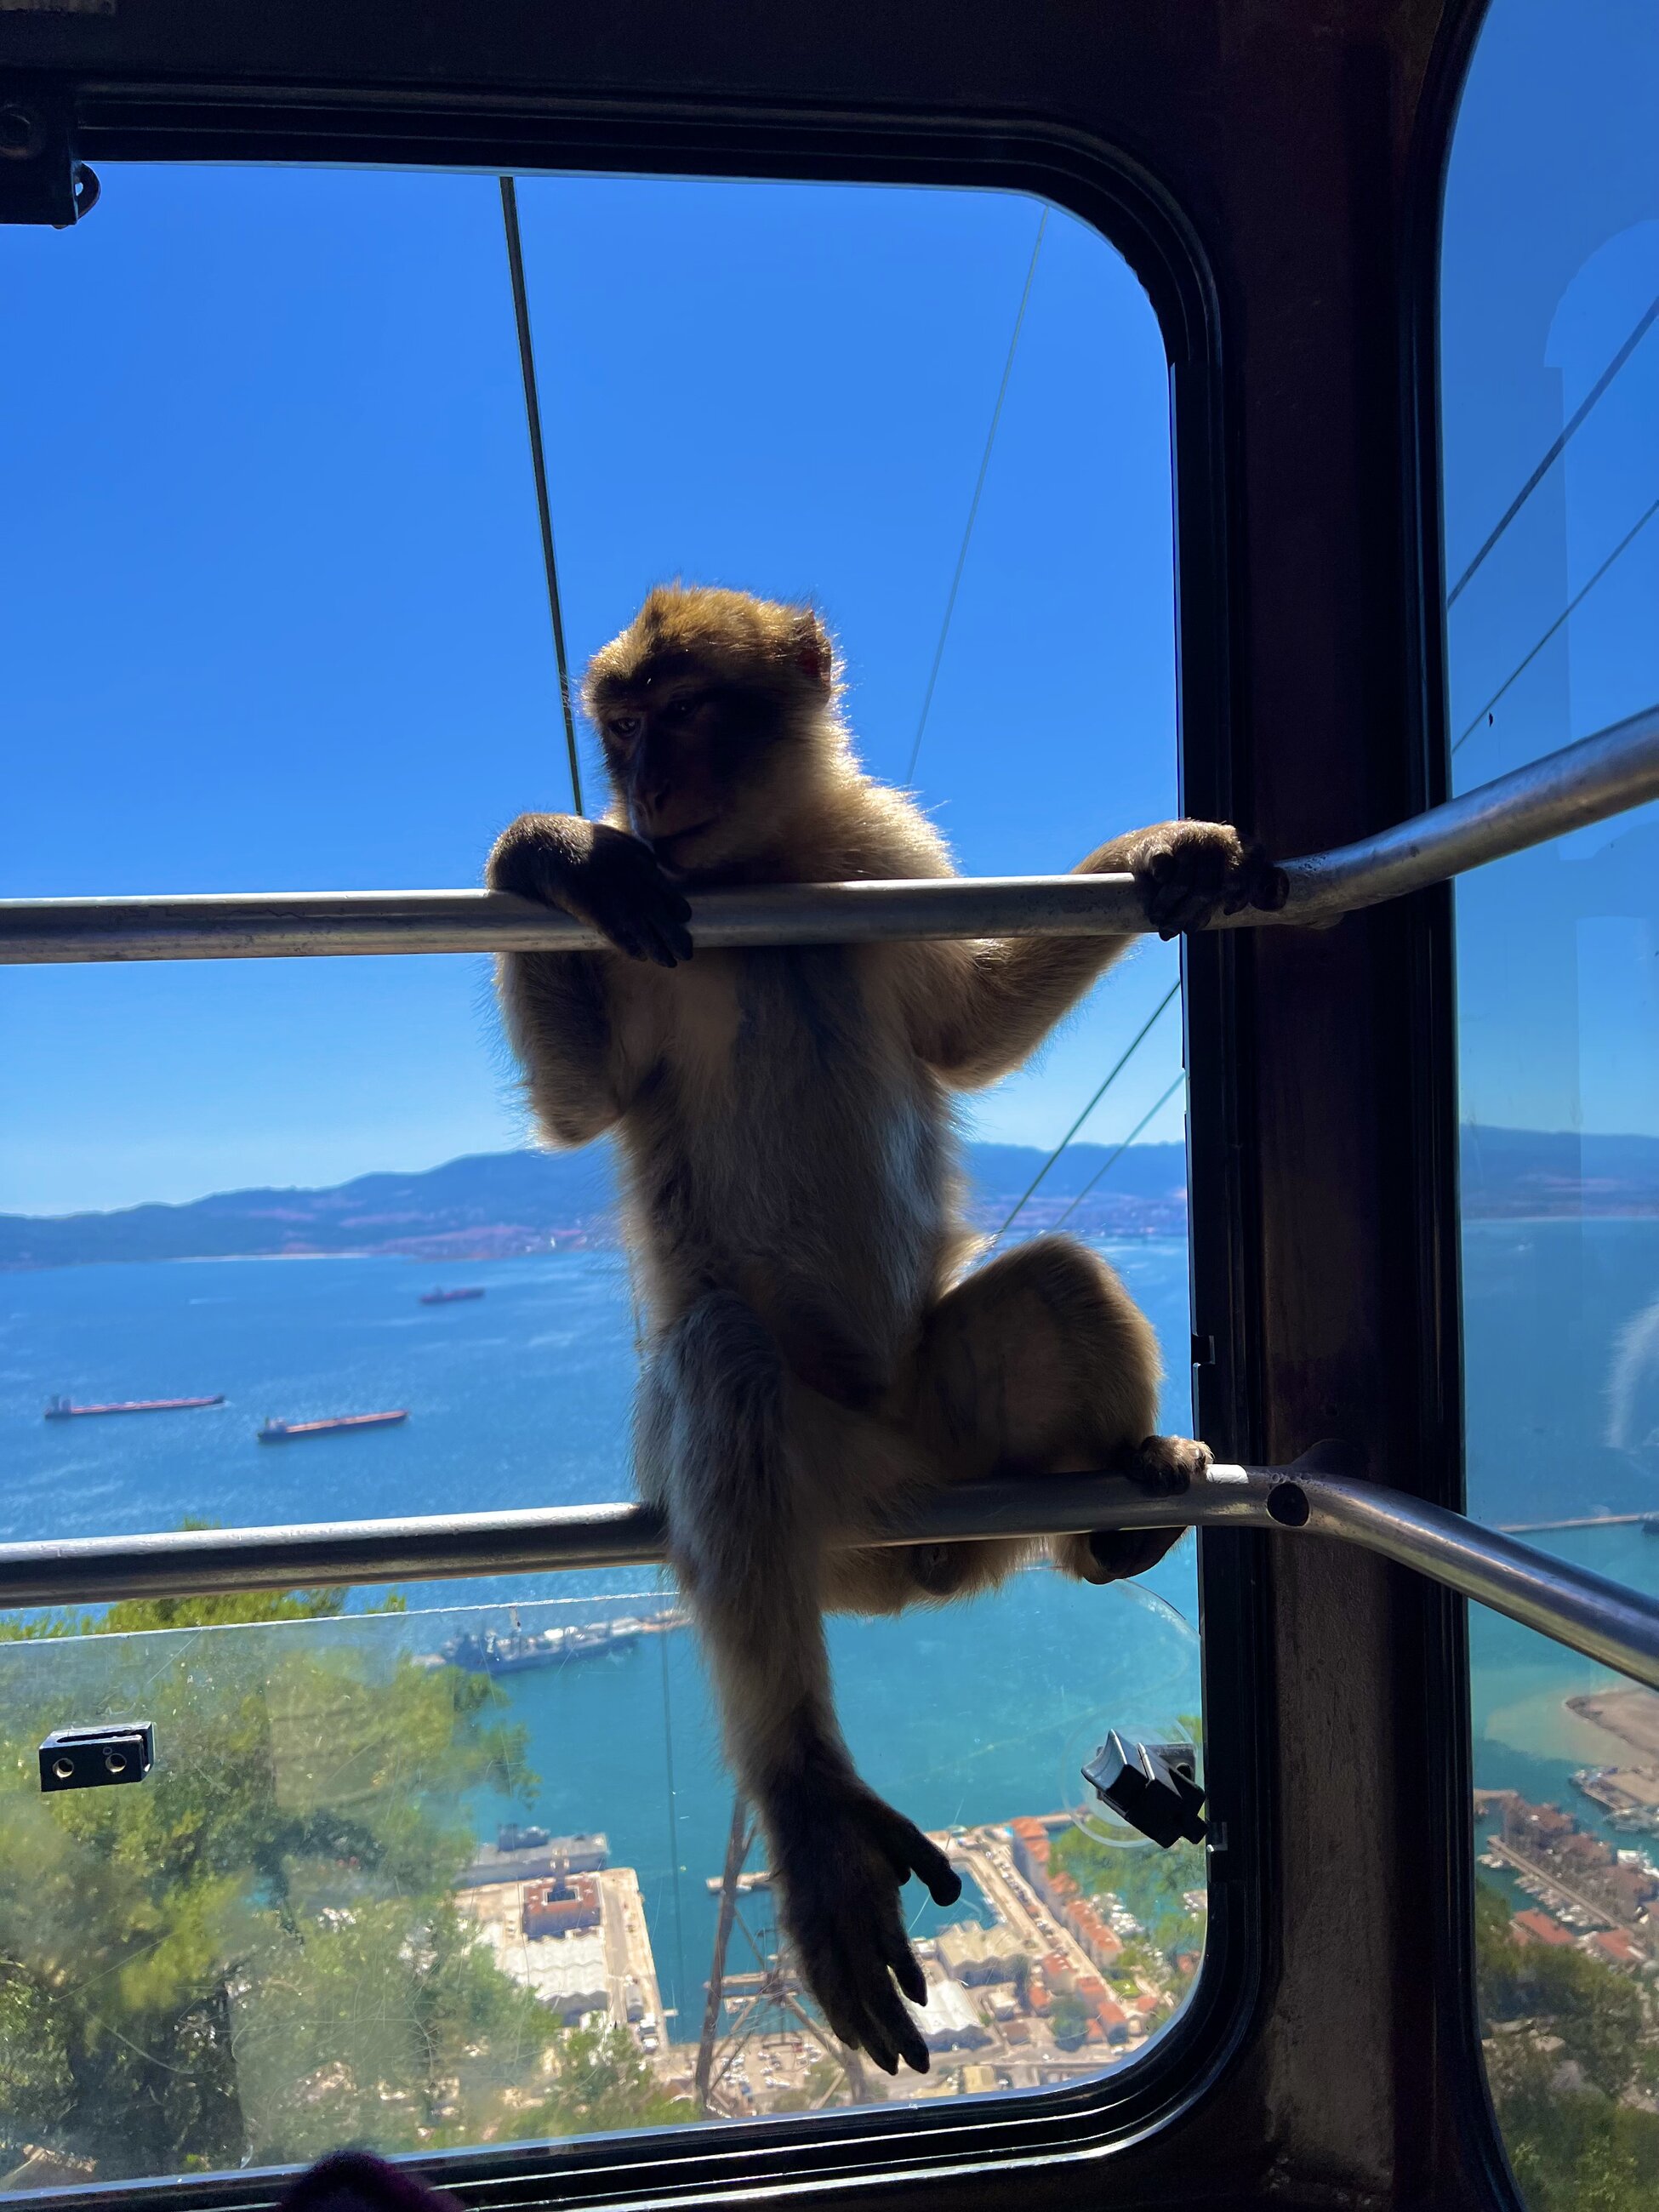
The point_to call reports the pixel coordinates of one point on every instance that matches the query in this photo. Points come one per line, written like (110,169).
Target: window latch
(41,181)
(1152,1786)
(97,1757)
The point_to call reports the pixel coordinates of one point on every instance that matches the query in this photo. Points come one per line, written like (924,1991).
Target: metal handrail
(1618,1626)
(1602,775)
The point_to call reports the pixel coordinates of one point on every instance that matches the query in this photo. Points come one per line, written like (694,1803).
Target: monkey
(816,1351)
(356,2181)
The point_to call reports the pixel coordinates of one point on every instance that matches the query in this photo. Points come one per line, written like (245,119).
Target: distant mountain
(1534,1172)
(492,1204)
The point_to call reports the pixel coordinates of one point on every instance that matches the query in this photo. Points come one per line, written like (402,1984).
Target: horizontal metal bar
(194,1562)
(1601,1618)
(1601,776)
(283,924)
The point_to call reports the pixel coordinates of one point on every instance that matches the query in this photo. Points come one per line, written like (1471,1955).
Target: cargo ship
(447,1297)
(61,1409)
(488,1652)
(279,1432)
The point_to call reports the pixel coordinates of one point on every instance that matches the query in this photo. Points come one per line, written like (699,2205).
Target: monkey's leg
(1041,1363)
(721,1447)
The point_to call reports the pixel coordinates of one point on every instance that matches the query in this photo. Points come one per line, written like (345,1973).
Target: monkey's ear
(814,655)
(354,2181)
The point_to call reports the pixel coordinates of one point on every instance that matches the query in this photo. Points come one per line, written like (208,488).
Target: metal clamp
(41,179)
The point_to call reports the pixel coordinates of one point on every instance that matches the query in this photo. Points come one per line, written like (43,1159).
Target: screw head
(22,131)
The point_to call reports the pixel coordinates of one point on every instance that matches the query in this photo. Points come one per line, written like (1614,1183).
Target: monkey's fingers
(1182,885)
(856,1995)
(886,2018)
(1120,1553)
(1259,885)
(646,904)
(908,1851)
(643,927)
(906,1968)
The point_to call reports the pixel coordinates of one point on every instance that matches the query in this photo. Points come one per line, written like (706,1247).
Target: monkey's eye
(625,727)
(682,708)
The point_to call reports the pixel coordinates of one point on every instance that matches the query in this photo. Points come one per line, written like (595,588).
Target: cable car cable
(1578,597)
(1643,327)
(533,419)
(973,510)
(1107,1164)
(1127,1055)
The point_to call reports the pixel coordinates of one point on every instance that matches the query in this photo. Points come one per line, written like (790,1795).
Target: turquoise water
(968,1714)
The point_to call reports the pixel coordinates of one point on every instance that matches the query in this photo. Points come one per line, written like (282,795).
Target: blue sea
(973,1713)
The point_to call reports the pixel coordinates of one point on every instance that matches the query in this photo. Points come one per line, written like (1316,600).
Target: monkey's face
(713,709)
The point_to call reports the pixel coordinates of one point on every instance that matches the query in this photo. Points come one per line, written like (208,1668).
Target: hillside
(492,1204)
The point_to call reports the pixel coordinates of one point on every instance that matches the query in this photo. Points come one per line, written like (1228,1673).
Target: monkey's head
(717,714)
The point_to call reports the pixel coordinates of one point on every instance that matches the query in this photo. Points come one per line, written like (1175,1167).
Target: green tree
(1569,2040)
(603,2085)
(1069,2020)
(254,1954)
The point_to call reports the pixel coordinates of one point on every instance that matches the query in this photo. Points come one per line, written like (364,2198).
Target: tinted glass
(1551,398)
(281,623)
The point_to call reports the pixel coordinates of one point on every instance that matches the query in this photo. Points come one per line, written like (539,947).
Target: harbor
(1036,1985)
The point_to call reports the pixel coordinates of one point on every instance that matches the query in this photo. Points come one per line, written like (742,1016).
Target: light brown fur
(815,1353)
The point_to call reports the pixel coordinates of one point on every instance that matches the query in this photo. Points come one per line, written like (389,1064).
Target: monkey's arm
(559,1007)
(977,1011)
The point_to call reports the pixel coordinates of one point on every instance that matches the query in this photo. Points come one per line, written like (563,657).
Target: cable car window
(430,1868)
(1550,387)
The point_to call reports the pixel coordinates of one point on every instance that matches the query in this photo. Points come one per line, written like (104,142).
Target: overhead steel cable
(1127,1055)
(533,418)
(1580,414)
(972,509)
(1573,604)
(1113,1157)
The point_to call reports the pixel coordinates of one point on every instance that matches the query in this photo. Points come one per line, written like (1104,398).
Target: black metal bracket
(41,179)
(96,1758)
(1152,1786)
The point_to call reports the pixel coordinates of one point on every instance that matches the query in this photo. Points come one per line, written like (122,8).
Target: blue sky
(277,621)
(1551,255)
(283,627)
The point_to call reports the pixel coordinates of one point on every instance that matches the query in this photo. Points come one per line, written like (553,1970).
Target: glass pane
(317,654)
(1551,402)
(429,1878)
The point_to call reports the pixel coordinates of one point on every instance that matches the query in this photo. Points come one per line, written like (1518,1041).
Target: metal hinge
(41,178)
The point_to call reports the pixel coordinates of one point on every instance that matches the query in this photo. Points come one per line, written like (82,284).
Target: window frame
(151,110)
(1140,221)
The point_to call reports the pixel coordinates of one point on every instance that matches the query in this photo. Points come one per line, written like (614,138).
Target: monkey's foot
(938,1570)
(841,1854)
(1163,1467)
(1187,872)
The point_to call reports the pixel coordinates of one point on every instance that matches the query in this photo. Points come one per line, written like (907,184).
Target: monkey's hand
(840,1855)
(1163,1467)
(600,875)
(1187,871)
